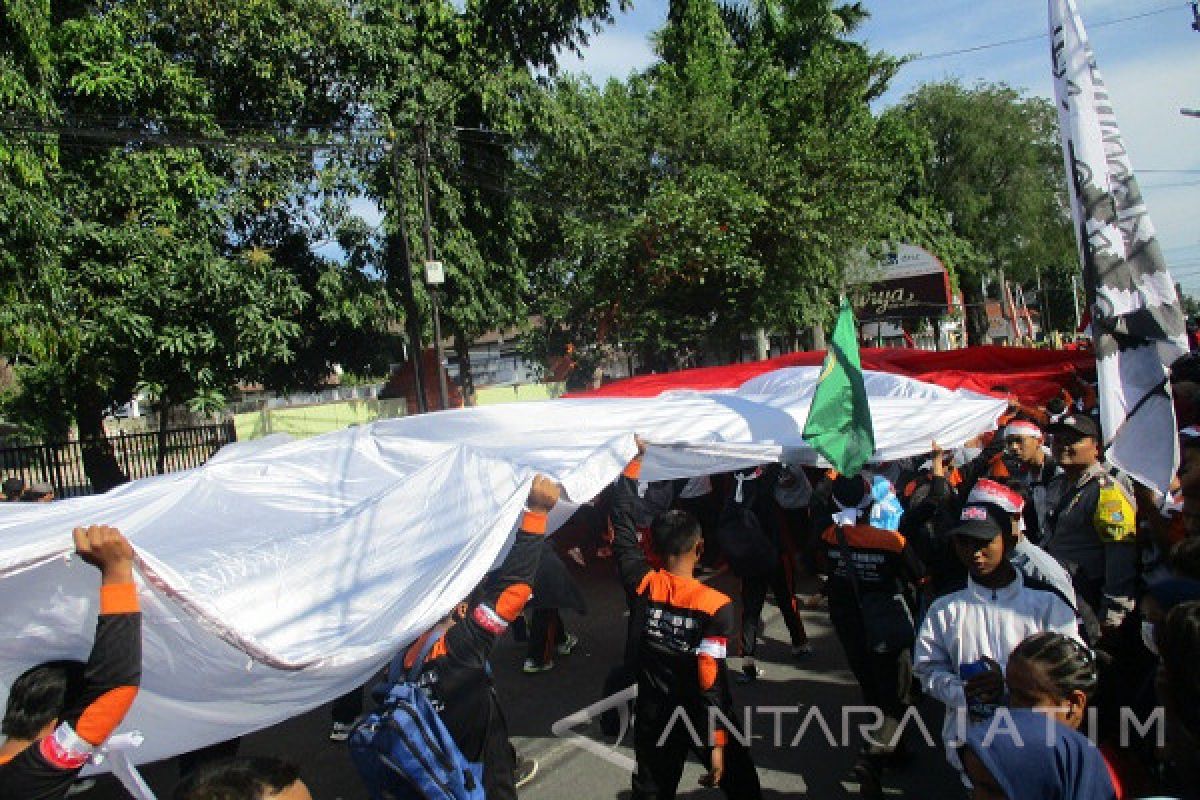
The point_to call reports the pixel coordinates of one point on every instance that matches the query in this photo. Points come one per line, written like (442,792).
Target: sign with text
(907,283)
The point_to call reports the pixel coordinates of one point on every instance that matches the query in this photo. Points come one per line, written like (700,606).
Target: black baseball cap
(983,521)
(1082,424)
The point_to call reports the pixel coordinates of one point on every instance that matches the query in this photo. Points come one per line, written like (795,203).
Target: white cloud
(611,54)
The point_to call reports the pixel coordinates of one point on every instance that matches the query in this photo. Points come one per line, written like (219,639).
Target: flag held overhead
(839,421)
(1137,320)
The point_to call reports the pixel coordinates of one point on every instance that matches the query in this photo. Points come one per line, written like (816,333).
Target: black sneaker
(750,673)
(524,771)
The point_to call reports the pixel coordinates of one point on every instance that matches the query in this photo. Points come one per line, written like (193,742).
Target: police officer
(1091,525)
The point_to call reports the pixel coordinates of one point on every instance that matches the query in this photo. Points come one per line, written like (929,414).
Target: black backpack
(750,550)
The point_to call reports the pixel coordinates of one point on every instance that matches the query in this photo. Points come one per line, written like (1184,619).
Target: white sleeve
(1060,618)
(932,664)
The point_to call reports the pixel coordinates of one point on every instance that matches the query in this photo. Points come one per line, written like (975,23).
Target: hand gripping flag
(839,420)
(1137,323)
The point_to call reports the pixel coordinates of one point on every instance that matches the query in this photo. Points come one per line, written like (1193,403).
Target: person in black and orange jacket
(58,712)
(682,629)
(456,677)
(881,561)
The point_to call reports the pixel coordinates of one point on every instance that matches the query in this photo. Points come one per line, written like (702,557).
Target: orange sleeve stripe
(719,738)
(512,601)
(534,521)
(103,716)
(633,469)
(438,650)
(119,598)
(706,670)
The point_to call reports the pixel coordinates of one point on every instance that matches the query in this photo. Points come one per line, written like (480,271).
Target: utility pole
(402,268)
(430,269)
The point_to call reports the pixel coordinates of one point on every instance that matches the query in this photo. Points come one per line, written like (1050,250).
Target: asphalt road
(794,759)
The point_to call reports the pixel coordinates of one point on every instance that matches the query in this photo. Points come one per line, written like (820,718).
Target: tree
(993,171)
(724,189)
(158,278)
(452,79)
(28,206)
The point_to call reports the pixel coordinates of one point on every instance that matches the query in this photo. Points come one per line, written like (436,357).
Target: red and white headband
(997,494)
(1020,427)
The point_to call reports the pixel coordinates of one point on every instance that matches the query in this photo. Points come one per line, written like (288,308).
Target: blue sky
(1152,66)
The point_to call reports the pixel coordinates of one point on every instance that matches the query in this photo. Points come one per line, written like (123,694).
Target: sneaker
(750,673)
(567,645)
(532,667)
(80,786)
(340,731)
(801,650)
(524,771)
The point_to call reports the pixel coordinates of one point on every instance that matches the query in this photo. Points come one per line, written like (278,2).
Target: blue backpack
(402,750)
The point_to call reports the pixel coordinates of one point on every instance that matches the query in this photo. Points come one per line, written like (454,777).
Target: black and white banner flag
(1137,322)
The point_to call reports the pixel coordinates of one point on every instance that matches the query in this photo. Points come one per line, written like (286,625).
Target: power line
(1170,185)
(1042,36)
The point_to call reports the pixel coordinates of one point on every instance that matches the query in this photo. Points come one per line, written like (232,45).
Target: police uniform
(1091,530)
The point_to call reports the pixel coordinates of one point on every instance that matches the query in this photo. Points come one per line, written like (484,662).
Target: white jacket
(963,627)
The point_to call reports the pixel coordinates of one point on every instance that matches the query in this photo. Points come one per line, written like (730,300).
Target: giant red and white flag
(1137,322)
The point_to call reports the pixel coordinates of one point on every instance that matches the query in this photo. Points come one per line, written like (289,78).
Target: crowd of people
(15,490)
(1041,596)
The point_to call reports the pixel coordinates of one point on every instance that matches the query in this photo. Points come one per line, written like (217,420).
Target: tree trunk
(466,382)
(976,311)
(164,422)
(818,336)
(99,460)
(762,345)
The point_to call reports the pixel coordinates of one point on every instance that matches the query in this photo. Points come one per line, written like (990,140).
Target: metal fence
(61,463)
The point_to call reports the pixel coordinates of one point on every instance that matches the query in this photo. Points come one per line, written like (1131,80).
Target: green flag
(839,420)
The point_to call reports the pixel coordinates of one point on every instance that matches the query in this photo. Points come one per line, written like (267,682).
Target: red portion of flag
(1034,376)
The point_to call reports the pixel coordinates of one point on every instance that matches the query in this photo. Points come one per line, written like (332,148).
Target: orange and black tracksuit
(456,676)
(46,769)
(681,630)
(883,562)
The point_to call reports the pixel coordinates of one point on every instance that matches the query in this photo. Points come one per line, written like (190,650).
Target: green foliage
(992,169)
(161,267)
(722,190)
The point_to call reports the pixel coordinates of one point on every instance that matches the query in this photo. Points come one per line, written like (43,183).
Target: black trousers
(660,760)
(546,631)
(754,597)
(348,707)
(885,679)
(499,763)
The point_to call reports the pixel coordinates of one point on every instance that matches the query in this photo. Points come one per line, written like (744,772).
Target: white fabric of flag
(1137,322)
(282,574)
